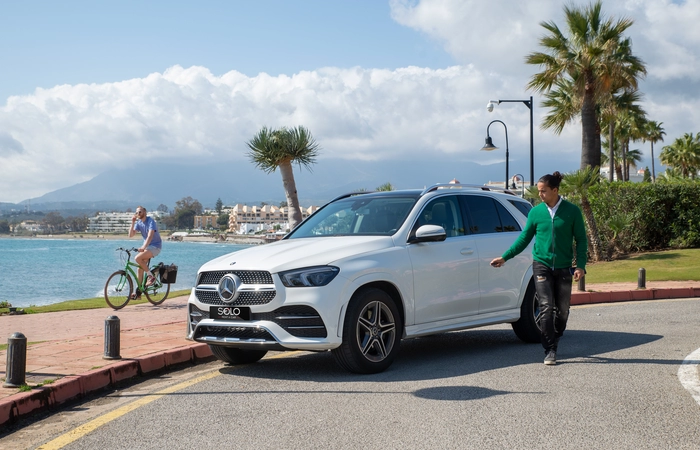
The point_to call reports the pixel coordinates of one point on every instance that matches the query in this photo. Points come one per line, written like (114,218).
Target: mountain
(241,182)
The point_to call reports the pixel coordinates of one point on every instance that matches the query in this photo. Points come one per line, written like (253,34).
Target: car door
(494,230)
(445,274)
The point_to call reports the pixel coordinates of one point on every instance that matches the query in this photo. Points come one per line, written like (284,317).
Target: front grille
(243,333)
(246,276)
(244,298)
(300,321)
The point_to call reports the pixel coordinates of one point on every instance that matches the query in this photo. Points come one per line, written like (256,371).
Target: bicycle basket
(169,274)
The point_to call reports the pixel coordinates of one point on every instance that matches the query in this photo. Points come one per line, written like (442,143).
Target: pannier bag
(168,274)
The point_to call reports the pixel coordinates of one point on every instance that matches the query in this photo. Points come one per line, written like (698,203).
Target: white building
(243,218)
(115,222)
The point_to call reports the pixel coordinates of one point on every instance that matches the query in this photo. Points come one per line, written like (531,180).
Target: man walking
(555,224)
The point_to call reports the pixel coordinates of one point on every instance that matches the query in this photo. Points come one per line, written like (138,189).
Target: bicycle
(120,284)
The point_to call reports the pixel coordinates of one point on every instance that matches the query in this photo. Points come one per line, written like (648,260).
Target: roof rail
(483,187)
(350,194)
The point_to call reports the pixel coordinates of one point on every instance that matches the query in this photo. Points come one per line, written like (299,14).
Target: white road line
(689,376)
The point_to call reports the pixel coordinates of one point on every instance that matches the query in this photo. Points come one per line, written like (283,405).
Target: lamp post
(530,105)
(518,177)
(488,146)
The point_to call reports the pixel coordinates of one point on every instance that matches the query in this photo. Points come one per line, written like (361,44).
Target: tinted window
(508,222)
(445,212)
(523,207)
(488,216)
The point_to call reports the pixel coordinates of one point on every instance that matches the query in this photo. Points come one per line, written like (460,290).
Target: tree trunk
(290,192)
(590,131)
(618,171)
(592,229)
(611,151)
(653,174)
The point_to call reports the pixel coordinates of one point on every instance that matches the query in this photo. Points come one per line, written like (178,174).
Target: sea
(37,271)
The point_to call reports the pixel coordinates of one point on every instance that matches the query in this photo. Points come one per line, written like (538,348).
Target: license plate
(229,312)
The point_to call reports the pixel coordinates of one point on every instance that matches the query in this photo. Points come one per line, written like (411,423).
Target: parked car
(366,271)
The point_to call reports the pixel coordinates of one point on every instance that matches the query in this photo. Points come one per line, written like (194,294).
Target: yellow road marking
(88,427)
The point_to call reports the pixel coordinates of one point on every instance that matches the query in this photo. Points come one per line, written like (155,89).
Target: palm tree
(592,60)
(683,154)
(270,149)
(385,187)
(653,133)
(577,184)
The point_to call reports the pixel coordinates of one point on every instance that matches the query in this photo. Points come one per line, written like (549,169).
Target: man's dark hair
(553,180)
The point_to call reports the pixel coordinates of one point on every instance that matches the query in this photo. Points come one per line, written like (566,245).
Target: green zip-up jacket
(554,238)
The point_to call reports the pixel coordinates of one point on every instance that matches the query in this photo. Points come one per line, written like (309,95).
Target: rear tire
(118,289)
(527,328)
(157,295)
(236,355)
(371,333)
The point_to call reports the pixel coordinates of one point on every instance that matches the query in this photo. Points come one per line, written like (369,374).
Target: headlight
(309,276)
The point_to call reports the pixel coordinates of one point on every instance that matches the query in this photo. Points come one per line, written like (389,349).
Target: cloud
(72,133)
(9,145)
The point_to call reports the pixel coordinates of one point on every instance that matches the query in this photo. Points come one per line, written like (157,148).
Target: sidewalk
(68,347)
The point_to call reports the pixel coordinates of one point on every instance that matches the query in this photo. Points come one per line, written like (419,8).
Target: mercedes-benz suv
(366,271)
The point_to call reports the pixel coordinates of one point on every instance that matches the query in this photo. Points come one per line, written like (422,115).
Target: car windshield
(358,215)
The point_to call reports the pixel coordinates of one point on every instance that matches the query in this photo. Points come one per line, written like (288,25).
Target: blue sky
(88,86)
(49,43)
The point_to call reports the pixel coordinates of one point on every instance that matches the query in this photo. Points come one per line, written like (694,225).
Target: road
(616,387)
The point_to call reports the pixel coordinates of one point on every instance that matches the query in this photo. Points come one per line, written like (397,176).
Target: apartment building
(115,222)
(243,218)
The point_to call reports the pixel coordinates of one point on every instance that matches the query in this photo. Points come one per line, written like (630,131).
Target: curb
(586,298)
(75,386)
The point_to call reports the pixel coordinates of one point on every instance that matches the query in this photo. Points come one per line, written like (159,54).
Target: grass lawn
(671,265)
(88,303)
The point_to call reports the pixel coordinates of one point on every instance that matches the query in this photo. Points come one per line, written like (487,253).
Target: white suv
(367,270)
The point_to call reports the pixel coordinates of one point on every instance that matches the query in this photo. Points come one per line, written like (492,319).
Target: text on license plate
(229,312)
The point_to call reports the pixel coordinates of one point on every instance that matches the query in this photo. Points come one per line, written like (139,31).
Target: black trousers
(553,287)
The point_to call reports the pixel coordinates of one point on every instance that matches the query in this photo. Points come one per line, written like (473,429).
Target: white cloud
(72,133)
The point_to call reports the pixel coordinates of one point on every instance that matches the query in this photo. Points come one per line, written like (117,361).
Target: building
(204,222)
(244,219)
(116,222)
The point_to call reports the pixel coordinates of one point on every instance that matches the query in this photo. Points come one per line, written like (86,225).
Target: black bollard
(642,279)
(16,368)
(112,338)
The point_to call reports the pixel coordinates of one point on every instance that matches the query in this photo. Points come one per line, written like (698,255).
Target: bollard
(582,284)
(642,279)
(112,338)
(16,368)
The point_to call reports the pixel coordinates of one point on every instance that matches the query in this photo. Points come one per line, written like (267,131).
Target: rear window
(523,207)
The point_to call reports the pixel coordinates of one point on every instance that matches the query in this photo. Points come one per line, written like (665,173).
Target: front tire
(371,333)
(236,355)
(118,289)
(527,328)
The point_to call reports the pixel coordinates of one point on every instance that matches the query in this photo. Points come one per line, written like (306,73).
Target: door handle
(467,251)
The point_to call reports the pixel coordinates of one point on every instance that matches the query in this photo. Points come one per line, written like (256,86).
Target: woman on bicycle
(151,247)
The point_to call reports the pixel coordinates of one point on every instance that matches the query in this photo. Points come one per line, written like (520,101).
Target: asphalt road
(616,387)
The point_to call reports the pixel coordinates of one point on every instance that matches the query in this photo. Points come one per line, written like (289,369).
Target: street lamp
(518,177)
(529,104)
(488,146)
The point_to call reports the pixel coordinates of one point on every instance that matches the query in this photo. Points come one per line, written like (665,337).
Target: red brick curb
(75,386)
(584,298)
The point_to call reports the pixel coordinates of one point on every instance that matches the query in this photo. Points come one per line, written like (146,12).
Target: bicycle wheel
(158,292)
(118,289)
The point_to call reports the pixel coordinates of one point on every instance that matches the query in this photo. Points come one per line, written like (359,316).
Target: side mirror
(429,233)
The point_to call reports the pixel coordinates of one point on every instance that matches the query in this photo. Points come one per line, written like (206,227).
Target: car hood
(294,253)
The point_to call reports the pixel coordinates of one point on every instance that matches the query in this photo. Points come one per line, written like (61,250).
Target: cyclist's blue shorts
(154,250)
